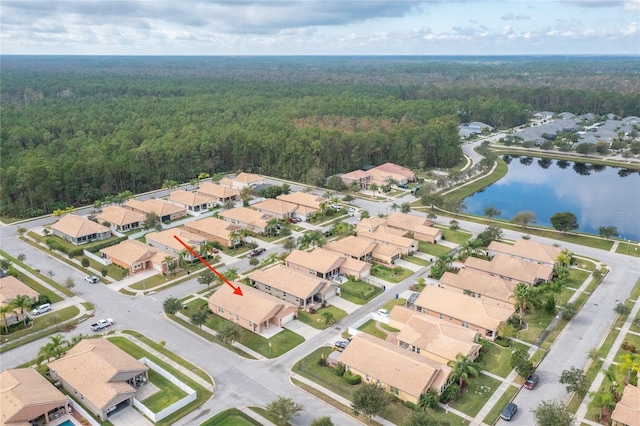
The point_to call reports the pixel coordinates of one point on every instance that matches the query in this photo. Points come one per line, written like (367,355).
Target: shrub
(322,361)
(340,369)
(450,394)
(351,379)
(104,272)
(85,262)
(410,405)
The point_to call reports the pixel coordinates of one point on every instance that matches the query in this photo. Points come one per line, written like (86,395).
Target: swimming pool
(67,423)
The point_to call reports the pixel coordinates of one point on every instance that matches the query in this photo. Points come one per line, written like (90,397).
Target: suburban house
(191,201)
(276,208)
(120,219)
(327,264)
(369,224)
(474,128)
(99,375)
(402,373)
(166,241)
(254,310)
(490,288)
(383,178)
(245,217)
(10,288)
(308,204)
(512,269)
(27,398)
(398,170)
(528,250)
(385,235)
(136,256)
(293,286)
(220,194)
(213,229)
(79,230)
(417,227)
(381,175)
(431,337)
(354,247)
(475,314)
(243,180)
(165,211)
(360,176)
(627,411)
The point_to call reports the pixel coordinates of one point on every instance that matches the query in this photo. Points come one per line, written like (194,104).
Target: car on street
(341,345)
(100,324)
(92,279)
(351,210)
(41,309)
(383,312)
(531,381)
(255,252)
(509,411)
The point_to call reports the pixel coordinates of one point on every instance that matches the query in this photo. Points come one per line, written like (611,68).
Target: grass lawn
(478,393)
(392,275)
(394,302)
(359,292)
(389,328)
(369,327)
(230,417)
(167,395)
(628,249)
(576,277)
(41,274)
(416,260)
(536,321)
(506,397)
(456,237)
(435,250)
(317,321)
(497,359)
(39,323)
(113,270)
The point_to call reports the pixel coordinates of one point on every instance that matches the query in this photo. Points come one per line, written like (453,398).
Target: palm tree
(59,345)
(523,297)
(373,188)
(206,248)
(4,310)
(182,261)
(394,206)
(45,352)
(229,333)
(629,364)
(171,265)
(22,302)
(231,274)
(235,236)
(463,368)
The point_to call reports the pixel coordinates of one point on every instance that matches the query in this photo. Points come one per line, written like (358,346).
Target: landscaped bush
(352,379)
(340,369)
(450,394)
(85,262)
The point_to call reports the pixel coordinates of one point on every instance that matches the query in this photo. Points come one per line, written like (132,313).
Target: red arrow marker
(236,290)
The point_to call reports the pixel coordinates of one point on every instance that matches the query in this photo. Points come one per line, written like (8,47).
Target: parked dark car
(256,252)
(531,381)
(341,345)
(509,411)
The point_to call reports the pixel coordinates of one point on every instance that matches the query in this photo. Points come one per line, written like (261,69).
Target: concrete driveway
(129,417)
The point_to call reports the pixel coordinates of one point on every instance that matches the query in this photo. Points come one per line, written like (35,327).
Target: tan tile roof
(226,182)
(512,267)
(407,221)
(356,175)
(370,224)
(159,207)
(91,367)
(277,207)
(134,251)
(627,411)
(167,238)
(480,283)
(389,236)
(303,199)
(436,336)
(248,178)
(189,198)
(394,366)
(317,260)
(10,287)
(351,264)
(253,305)
(77,226)
(246,216)
(214,226)
(118,215)
(527,249)
(384,176)
(399,170)
(289,280)
(384,251)
(217,191)
(464,308)
(25,395)
(352,246)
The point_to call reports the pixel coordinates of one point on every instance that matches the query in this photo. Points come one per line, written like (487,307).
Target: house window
(465,324)
(367,378)
(237,317)
(404,345)
(450,318)
(441,316)
(220,309)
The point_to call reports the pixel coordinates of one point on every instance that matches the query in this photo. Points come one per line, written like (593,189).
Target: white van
(41,309)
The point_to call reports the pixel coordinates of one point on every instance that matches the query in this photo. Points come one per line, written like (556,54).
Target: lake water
(597,195)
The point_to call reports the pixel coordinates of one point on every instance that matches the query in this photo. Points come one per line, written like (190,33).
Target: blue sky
(310,27)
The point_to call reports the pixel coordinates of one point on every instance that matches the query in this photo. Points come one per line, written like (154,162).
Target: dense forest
(76,129)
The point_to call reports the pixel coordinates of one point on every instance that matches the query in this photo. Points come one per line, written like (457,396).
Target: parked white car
(100,324)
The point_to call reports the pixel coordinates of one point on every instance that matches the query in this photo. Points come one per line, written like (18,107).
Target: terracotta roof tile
(118,215)
(217,191)
(10,287)
(25,394)
(77,226)
(527,249)
(512,267)
(289,280)
(627,411)
(189,198)
(480,283)
(253,305)
(159,207)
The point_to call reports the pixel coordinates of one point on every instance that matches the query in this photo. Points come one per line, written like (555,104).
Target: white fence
(353,328)
(77,407)
(156,417)
(105,262)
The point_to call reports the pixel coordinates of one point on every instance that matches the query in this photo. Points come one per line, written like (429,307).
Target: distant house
(354,247)
(293,285)
(398,170)
(528,250)
(214,230)
(369,224)
(474,128)
(10,288)
(254,310)
(382,175)
(79,230)
(243,180)
(166,241)
(543,115)
(431,337)
(418,227)
(219,193)
(100,375)
(275,208)
(121,219)
(627,411)
(566,116)
(165,211)
(512,269)
(468,312)
(361,177)
(308,204)
(247,218)
(27,398)
(191,201)
(385,235)
(402,373)
(472,283)
(135,256)
(327,264)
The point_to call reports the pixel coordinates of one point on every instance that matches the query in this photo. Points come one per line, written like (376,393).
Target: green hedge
(231,412)
(351,379)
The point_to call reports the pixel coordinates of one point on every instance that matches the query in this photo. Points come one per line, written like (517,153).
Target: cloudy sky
(312,27)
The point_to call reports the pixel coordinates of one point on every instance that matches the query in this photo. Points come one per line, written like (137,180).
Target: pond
(597,195)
